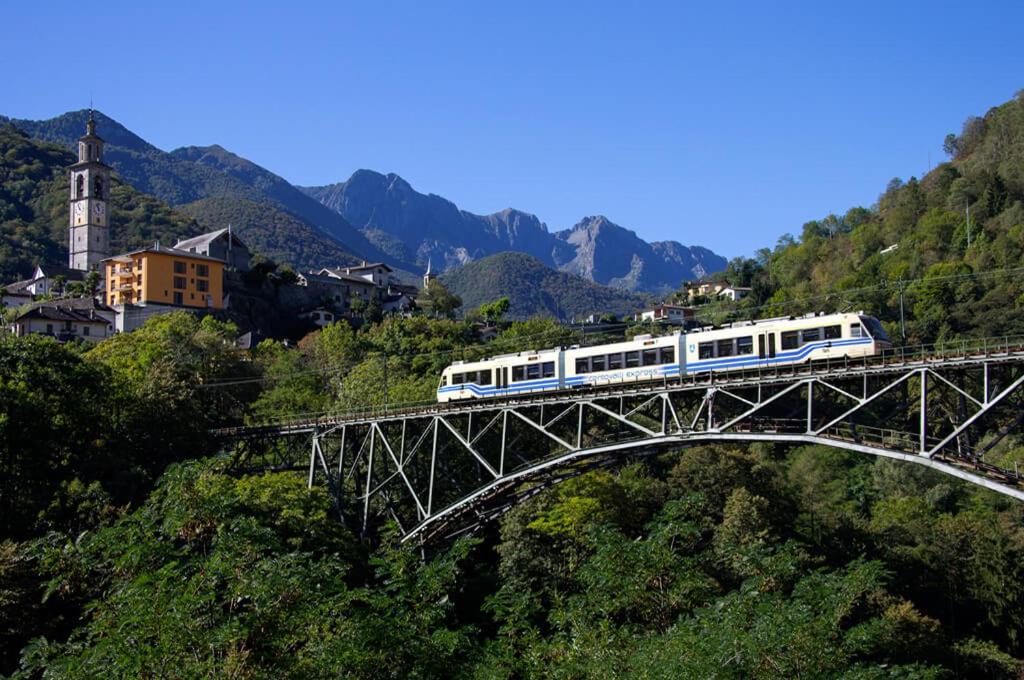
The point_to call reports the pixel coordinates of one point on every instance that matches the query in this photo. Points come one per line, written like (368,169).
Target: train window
(458,378)
(745,345)
(650,357)
(614,361)
(812,334)
(548,369)
(533,371)
(668,355)
(706,350)
(790,339)
(484,378)
(583,365)
(855,331)
(725,348)
(833,332)
(518,373)
(597,363)
(632,359)
(444,381)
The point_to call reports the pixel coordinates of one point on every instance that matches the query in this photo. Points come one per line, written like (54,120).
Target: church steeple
(428,277)
(89,238)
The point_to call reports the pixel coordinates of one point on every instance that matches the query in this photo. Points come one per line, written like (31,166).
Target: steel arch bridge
(439,470)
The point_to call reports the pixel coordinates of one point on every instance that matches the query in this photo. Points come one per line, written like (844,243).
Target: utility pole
(968,223)
(903,325)
(384,356)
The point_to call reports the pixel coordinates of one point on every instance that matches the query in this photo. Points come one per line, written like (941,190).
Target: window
(79,186)
(49,329)
(597,363)
(548,369)
(444,381)
(85,330)
(725,348)
(668,355)
(833,332)
(98,185)
(614,361)
(650,357)
(179,299)
(202,285)
(484,378)
(855,330)
(202,270)
(179,281)
(583,365)
(458,378)
(706,350)
(138,280)
(632,359)
(112,299)
(790,339)
(518,373)
(179,268)
(745,345)
(533,371)
(812,334)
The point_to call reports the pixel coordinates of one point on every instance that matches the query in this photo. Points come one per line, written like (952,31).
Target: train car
(502,376)
(751,344)
(783,341)
(641,359)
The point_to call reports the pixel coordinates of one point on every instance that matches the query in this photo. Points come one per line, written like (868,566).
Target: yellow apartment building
(159,275)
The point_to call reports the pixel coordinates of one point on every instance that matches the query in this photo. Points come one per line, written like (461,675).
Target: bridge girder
(444,469)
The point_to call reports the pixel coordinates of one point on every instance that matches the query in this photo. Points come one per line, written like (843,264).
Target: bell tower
(89,235)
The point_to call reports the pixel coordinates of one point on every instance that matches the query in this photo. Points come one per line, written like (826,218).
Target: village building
(734,293)
(671,314)
(221,245)
(321,316)
(66,320)
(158,279)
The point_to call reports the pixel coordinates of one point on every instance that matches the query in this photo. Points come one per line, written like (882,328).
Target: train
(762,343)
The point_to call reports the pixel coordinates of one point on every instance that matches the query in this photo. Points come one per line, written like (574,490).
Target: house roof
(163,250)
(368,265)
(343,276)
(18,287)
(51,312)
(204,239)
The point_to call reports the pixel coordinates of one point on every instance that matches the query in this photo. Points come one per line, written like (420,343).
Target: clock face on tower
(101,209)
(79,209)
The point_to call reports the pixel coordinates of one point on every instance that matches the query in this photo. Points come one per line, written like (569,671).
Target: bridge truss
(443,469)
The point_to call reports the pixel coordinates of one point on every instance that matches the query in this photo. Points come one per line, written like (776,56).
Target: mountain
(535,289)
(34,208)
(420,227)
(192,174)
(416,227)
(605,252)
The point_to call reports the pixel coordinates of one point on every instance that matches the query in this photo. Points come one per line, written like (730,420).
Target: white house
(734,292)
(673,314)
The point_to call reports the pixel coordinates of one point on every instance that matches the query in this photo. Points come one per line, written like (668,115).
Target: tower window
(79,186)
(98,187)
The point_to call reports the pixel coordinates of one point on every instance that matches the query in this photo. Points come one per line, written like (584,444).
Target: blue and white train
(752,344)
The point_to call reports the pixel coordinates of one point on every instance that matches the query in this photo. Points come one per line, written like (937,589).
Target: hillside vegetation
(34,209)
(950,288)
(535,289)
(719,562)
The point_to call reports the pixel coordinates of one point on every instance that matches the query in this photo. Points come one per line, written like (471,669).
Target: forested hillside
(34,208)
(950,287)
(537,290)
(764,562)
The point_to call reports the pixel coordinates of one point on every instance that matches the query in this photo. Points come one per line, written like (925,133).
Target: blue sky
(720,124)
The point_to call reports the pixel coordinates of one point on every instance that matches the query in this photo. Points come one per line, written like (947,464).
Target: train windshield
(874,328)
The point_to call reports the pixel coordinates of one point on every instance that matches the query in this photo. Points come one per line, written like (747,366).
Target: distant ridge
(535,289)
(417,227)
